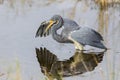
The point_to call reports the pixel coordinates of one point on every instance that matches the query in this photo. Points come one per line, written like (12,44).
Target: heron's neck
(55,35)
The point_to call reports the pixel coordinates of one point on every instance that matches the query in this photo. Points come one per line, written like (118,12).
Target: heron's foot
(79,47)
(78,50)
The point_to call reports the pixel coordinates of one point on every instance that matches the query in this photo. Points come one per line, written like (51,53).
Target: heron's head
(54,21)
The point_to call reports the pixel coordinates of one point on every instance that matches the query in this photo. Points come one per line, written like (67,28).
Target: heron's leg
(78,57)
(84,65)
(81,56)
(78,46)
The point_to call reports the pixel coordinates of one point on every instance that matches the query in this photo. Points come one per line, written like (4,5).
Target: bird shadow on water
(77,64)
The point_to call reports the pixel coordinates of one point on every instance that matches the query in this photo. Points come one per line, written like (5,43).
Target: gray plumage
(83,35)
(87,36)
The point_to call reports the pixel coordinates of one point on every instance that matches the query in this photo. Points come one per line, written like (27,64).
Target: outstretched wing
(45,59)
(73,66)
(88,36)
(90,60)
(41,30)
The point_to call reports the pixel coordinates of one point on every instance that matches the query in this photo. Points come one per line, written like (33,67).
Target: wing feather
(88,36)
(41,29)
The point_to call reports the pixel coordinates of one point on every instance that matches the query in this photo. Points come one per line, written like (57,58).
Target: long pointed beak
(51,22)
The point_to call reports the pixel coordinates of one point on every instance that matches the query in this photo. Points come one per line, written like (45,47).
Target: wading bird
(71,33)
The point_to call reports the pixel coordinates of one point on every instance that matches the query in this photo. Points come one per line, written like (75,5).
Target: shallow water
(18,25)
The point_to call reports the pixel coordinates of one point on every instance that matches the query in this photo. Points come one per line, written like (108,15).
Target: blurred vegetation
(11,72)
(103,20)
(103,3)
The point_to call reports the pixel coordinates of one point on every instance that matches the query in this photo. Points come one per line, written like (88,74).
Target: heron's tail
(99,45)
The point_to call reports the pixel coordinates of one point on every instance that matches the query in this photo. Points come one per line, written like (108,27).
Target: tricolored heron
(72,33)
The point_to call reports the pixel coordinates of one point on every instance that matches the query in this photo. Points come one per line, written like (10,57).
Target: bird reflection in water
(79,63)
